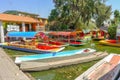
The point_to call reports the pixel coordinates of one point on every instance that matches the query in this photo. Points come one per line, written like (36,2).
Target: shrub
(112,31)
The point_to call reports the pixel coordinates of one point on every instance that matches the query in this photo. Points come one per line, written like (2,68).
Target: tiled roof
(17,12)
(15,18)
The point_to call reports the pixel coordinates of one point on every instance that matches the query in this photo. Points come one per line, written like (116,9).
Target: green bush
(63,27)
(112,31)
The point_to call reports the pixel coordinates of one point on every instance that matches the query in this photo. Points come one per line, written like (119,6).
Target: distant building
(43,21)
(20,21)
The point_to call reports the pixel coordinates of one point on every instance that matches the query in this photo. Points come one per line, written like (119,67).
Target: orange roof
(15,18)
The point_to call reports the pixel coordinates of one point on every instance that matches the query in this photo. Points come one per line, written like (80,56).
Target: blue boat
(31,50)
(53,55)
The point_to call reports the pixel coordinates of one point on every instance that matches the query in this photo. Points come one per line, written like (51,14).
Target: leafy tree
(116,14)
(54,14)
(115,22)
(112,31)
(102,13)
(74,13)
(116,17)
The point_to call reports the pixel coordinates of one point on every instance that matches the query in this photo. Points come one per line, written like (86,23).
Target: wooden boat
(68,37)
(106,69)
(75,43)
(98,39)
(46,47)
(31,45)
(45,64)
(54,55)
(32,48)
(57,43)
(110,43)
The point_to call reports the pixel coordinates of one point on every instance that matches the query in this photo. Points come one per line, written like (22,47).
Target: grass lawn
(68,72)
(63,73)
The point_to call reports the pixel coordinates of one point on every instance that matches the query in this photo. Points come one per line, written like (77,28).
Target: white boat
(106,69)
(53,55)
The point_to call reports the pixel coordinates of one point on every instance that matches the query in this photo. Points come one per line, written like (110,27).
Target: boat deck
(8,70)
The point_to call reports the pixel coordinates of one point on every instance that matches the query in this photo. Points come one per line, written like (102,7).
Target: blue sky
(115,4)
(41,7)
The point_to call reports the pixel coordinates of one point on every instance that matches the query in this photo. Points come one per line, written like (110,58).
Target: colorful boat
(73,42)
(30,48)
(106,69)
(110,43)
(53,55)
(57,43)
(98,39)
(99,35)
(76,43)
(68,37)
(29,45)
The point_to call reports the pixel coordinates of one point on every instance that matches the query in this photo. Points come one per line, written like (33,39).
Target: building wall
(34,27)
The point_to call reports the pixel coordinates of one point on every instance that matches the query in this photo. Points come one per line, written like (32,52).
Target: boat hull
(110,43)
(106,69)
(32,50)
(54,55)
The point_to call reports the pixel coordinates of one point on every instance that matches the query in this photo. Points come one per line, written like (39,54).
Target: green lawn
(68,72)
(63,73)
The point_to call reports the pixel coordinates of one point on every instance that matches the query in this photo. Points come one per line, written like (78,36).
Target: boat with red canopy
(29,45)
(67,37)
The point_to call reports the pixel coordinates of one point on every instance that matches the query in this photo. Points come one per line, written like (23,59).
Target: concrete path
(8,70)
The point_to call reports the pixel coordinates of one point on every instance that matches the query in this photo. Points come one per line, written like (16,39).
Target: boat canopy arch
(63,33)
(21,34)
(25,34)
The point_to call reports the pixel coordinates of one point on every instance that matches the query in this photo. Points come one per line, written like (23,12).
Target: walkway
(8,70)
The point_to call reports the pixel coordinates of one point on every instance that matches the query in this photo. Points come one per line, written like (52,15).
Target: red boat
(46,47)
(75,43)
(56,43)
(30,45)
(67,37)
(110,43)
